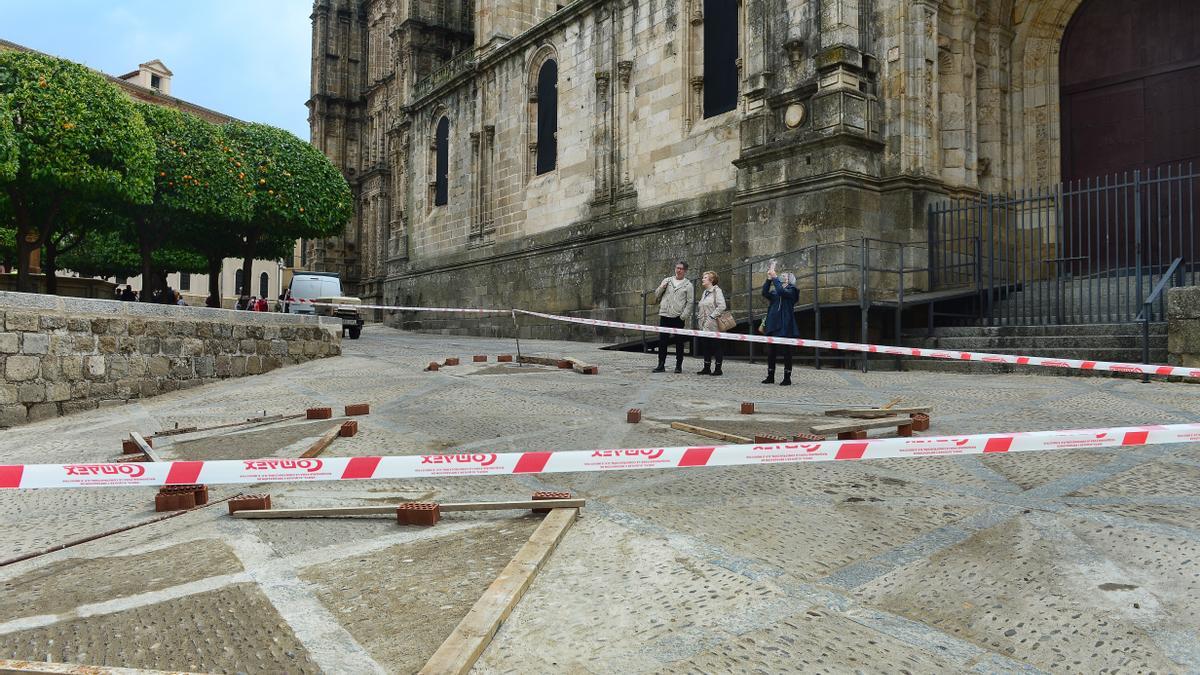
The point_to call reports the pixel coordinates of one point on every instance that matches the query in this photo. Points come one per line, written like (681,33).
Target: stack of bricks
(319,413)
(543,495)
(253,502)
(767,438)
(180,497)
(425,514)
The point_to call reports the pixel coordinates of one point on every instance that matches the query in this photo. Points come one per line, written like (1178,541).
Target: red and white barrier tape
(127,474)
(984,357)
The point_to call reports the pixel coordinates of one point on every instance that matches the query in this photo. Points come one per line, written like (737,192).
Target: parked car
(323,287)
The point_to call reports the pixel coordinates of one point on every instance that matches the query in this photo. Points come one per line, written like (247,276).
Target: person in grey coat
(674,296)
(711,305)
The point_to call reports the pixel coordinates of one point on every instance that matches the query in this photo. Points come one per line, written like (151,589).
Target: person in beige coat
(674,295)
(711,305)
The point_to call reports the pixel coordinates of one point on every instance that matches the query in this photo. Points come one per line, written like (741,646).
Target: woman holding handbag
(712,314)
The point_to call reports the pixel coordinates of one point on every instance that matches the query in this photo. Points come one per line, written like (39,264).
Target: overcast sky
(245,58)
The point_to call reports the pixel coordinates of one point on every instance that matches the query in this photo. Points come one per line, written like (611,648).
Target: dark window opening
(155,82)
(185,281)
(547,118)
(720,56)
(239,282)
(442,151)
(264,283)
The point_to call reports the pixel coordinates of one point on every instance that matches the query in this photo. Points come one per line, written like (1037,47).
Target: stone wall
(1183,326)
(62,355)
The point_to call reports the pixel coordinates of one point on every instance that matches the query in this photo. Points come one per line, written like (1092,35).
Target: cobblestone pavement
(1075,561)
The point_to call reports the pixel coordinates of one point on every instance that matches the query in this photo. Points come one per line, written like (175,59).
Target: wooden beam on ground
(144,447)
(390,510)
(539,360)
(323,442)
(859,425)
(877,412)
(249,420)
(710,433)
(14,667)
(889,404)
(473,634)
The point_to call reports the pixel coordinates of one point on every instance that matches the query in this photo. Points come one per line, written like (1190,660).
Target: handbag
(725,321)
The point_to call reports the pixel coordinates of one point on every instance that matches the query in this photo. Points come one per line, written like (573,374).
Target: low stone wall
(1183,326)
(61,355)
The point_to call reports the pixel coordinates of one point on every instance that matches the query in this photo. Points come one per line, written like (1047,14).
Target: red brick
(808,438)
(904,430)
(349,428)
(591,370)
(504,358)
(256,502)
(564,364)
(479,358)
(201,493)
(920,422)
(319,413)
(425,514)
(452,361)
(433,365)
(747,408)
(355,409)
(128,447)
(634,415)
(539,496)
(852,435)
(164,502)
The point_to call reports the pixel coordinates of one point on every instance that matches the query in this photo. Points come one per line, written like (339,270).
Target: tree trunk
(24,253)
(214,277)
(50,266)
(146,250)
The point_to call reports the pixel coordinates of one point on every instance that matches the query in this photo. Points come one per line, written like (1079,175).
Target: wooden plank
(473,634)
(323,442)
(14,667)
(859,425)
(877,412)
(710,433)
(249,420)
(144,447)
(540,360)
(890,404)
(390,510)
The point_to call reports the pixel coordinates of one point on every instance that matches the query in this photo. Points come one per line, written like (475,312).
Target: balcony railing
(456,66)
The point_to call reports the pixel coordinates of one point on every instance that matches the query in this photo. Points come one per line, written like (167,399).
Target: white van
(325,287)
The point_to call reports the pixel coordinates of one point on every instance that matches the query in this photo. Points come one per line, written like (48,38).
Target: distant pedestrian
(781,290)
(260,305)
(711,305)
(674,295)
(128,295)
(243,302)
(179,299)
(213,302)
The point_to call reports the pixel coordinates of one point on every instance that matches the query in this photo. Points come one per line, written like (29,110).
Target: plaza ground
(1071,561)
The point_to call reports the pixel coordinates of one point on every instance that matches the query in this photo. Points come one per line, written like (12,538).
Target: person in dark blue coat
(781,290)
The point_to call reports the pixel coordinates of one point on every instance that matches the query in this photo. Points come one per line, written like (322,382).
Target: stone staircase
(1097,342)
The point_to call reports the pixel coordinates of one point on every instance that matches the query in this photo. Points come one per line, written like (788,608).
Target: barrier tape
(918,352)
(129,474)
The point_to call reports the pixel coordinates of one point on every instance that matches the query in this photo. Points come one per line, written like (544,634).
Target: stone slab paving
(1076,561)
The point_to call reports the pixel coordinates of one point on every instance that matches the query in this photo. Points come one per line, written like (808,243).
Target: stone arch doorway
(1130,87)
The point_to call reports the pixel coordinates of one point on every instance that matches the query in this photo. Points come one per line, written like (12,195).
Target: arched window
(547,117)
(441,145)
(264,285)
(239,282)
(720,56)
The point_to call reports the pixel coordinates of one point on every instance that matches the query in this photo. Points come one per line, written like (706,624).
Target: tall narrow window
(239,282)
(441,144)
(547,117)
(264,283)
(185,281)
(720,56)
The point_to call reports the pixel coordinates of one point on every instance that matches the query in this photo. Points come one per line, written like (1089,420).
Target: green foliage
(103,254)
(297,192)
(8,143)
(75,134)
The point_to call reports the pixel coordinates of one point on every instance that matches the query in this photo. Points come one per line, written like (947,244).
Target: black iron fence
(1082,252)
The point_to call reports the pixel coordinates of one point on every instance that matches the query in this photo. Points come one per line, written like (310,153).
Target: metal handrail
(1168,278)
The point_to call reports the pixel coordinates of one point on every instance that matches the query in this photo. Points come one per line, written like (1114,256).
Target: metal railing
(1157,296)
(1082,252)
(457,65)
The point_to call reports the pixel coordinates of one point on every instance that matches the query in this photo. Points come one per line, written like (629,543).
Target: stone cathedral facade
(561,155)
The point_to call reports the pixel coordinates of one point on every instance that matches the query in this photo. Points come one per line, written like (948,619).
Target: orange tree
(201,192)
(297,192)
(77,139)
